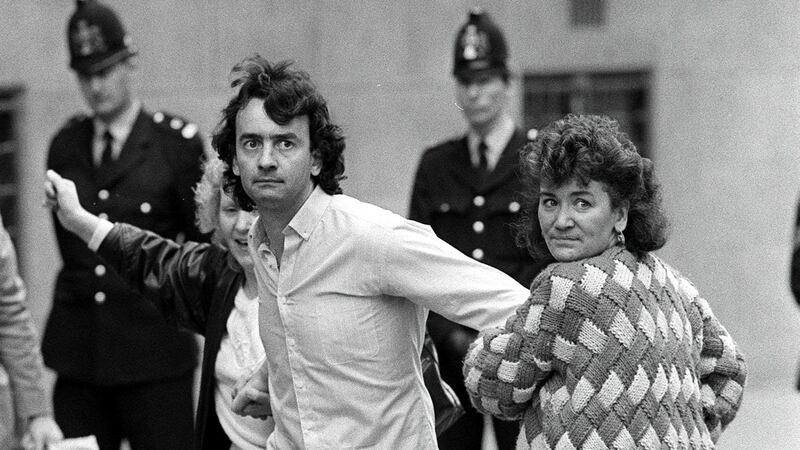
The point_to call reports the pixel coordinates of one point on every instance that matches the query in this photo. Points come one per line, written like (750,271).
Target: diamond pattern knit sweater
(610,352)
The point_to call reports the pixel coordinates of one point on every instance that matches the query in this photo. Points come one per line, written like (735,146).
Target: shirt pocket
(347,330)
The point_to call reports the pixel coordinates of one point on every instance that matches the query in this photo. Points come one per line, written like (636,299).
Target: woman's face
(234,224)
(577,220)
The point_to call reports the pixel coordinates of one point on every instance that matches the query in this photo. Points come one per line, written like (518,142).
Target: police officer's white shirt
(496,141)
(119,128)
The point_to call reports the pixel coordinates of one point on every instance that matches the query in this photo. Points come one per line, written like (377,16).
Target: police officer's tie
(484,165)
(108,148)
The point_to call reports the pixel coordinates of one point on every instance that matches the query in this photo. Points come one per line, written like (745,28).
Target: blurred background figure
(794,275)
(27,408)
(123,372)
(466,188)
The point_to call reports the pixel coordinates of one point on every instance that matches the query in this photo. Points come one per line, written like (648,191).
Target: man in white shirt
(344,286)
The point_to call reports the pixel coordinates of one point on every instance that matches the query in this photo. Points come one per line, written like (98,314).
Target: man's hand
(251,395)
(42,431)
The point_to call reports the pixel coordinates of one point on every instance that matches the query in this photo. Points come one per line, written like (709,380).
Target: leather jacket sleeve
(177,278)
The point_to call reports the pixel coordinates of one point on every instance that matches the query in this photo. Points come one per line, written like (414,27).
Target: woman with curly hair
(614,348)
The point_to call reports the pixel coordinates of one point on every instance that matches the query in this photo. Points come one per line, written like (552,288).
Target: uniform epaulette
(176,124)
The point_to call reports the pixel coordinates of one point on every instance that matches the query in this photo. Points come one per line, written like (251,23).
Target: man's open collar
(310,213)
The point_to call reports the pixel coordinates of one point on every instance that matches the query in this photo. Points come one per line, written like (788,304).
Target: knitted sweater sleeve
(722,372)
(505,367)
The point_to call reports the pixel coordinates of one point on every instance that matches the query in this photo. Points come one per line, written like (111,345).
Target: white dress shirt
(119,129)
(343,320)
(496,141)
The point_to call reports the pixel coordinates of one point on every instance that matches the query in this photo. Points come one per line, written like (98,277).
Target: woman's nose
(564,219)
(244,220)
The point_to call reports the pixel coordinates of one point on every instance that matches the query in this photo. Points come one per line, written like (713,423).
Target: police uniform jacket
(474,213)
(470,211)
(99,330)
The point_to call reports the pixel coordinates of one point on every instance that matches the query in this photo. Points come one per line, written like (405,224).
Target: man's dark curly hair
(586,148)
(287,93)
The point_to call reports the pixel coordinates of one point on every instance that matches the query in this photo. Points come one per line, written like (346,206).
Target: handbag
(446,405)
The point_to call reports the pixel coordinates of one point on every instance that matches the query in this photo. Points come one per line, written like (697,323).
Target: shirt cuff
(100,232)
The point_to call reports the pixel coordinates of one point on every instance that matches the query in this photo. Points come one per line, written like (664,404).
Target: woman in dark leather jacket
(207,288)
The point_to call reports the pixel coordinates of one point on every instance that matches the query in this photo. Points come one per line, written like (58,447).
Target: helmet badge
(87,39)
(475,43)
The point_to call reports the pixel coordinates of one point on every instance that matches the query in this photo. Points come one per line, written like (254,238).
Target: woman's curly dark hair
(287,93)
(586,148)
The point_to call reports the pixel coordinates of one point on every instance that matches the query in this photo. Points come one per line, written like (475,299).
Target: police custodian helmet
(97,38)
(480,47)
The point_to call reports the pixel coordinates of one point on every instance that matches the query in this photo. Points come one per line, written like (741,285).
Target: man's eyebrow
(244,136)
(288,135)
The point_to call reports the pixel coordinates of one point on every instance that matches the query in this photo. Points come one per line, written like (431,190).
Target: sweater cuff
(100,232)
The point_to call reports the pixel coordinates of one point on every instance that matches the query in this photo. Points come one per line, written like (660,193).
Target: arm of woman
(170,275)
(722,373)
(505,367)
(173,276)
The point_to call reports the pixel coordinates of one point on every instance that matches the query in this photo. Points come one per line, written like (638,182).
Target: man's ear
(235,166)
(316,163)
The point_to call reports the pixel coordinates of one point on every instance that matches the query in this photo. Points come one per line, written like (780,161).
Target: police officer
(123,372)
(466,189)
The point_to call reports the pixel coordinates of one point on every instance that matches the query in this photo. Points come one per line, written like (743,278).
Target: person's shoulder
(615,263)
(444,148)
(364,212)
(368,222)
(173,126)
(74,123)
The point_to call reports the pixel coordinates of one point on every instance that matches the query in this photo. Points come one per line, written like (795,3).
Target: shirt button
(478,227)
(444,207)
(99,270)
(477,254)
(103,194)
(513,207)
(103,216)
(99,297)
(479,201)
(145,207)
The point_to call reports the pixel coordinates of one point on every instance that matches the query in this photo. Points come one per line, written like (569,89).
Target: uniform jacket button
(103,194)
(99,270)
(477,254)
(99,297)
(478,227)
(479,201)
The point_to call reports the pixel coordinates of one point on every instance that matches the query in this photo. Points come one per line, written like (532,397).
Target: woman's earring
(620,237)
